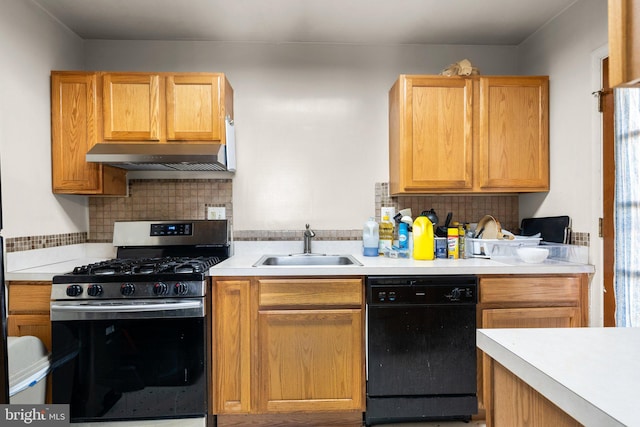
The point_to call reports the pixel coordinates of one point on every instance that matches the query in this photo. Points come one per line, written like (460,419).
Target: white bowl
(533,255)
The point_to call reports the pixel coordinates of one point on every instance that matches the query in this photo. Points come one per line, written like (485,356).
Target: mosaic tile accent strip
(275,235)
(158,200)
(17,244)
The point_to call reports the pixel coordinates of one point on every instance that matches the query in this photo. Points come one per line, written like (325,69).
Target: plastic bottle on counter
(386,235)
(452,243)
(423,239)
(461,241)
(370,238)
(403,235)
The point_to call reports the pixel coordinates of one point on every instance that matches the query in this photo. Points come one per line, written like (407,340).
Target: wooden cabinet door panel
(73,132)
(193,107)
(514,133)
(311,360)
(547,317)
(439,120)
(530,289)
(232,346)
(307,293)
(37,325)
(29,297)
(131,104)
(624,42)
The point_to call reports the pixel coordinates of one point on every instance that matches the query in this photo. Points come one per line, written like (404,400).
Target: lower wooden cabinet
(526,301)
(289,345)
(28,310)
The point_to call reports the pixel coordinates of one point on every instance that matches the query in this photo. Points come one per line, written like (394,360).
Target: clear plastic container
(370,238)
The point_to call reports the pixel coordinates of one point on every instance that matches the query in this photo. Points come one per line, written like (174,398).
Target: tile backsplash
(188,199)
(158,200)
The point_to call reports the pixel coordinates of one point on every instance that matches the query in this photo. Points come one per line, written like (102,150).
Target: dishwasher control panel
(422,290)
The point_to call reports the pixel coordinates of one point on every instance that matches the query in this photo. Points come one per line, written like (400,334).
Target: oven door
(130,360)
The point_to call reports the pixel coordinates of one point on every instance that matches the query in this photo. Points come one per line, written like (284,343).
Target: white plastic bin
(28,367)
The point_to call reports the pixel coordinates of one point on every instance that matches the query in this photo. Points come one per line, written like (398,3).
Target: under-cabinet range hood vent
(163,157)
(170,156)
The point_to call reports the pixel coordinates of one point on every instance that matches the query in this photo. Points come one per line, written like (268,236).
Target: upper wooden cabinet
(468,135)
(131,107)
(166,107)
(624,43)
(92,107)
(74,130)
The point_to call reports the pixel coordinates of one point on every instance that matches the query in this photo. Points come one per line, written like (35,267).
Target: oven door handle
(126,310)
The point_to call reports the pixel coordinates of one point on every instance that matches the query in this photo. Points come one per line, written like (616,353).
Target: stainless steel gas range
(130,339)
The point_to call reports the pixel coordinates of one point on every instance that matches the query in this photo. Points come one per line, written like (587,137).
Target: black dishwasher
(421,346)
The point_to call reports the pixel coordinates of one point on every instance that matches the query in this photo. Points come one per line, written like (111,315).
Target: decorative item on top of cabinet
(624,43)
(487,134)
(75,106)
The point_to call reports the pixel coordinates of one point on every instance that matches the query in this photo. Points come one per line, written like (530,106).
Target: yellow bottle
(423,239)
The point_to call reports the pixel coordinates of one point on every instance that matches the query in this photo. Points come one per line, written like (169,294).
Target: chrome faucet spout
(308,235)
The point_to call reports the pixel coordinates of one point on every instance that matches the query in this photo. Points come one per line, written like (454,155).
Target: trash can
(29,364)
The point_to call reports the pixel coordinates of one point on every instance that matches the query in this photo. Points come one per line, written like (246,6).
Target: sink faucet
(308,235)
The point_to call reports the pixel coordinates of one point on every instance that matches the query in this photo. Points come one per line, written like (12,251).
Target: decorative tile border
(17,244)
(275,235)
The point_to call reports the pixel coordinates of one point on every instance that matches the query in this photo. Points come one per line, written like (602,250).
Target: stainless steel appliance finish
(170,156)
(129,335)
(421,348)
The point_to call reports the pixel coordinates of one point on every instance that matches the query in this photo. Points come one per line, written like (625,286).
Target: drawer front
(296,293)
(29,297)
(529,289)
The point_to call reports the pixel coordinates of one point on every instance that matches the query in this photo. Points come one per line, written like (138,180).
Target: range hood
(170,156)
(163,157)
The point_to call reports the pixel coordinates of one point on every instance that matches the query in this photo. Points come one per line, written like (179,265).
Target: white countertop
(43,264)
(592,374)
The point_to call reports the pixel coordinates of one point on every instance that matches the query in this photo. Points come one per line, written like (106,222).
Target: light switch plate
(216,212)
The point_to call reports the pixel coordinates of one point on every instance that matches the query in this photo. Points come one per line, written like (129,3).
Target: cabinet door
(37,325)
(73,132)
(232,346)
(310,360)
(546,317)
(514,134)
(193,107)
(624,42)
(436,151)
(131,104)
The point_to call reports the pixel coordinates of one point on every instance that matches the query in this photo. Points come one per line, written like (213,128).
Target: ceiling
(475,22)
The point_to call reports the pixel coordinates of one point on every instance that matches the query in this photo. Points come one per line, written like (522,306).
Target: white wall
(311,119)
(31,45)
(563,49)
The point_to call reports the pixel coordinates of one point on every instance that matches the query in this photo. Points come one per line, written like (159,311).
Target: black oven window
(130,369)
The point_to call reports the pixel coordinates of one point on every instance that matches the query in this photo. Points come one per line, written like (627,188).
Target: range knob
(74,290)
(94,290)
(160,288)
(127,289)
(180,288)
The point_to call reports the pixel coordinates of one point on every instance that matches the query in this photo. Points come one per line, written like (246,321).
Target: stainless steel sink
(305,260)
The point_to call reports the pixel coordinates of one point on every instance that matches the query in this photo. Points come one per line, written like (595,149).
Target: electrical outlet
(389,211)
(216,212)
